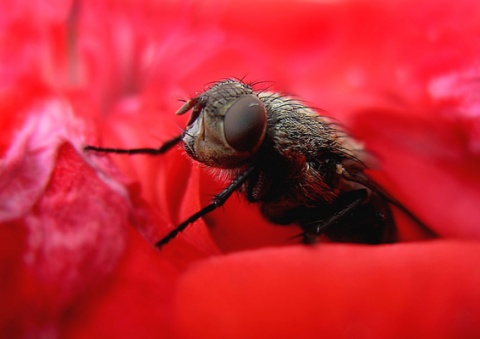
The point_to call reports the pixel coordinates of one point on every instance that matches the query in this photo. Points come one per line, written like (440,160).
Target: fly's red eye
(245,122)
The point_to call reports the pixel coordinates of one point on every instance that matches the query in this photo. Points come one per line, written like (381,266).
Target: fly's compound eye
(245,123)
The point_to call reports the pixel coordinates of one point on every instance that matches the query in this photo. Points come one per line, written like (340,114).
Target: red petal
(428,289)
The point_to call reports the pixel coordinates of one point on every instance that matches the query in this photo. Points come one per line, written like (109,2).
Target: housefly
(297,165)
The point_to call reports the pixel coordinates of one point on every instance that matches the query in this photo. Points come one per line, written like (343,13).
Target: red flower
(77,228)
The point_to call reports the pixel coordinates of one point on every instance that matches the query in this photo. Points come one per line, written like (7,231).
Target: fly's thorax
(298,132)
(227,125)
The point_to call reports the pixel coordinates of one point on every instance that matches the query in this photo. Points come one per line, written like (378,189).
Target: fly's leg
(152,151)
(217,201)
(313,229)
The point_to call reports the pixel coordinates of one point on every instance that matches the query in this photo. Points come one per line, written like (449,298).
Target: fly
(298,166)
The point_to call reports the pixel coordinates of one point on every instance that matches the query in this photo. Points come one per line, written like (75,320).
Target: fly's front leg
(217,201)
(151,151)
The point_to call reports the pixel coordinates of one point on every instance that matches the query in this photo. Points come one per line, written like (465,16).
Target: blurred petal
(135,300)
(68,224)
(429,168)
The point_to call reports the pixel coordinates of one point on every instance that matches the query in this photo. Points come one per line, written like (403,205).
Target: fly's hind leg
(350,201)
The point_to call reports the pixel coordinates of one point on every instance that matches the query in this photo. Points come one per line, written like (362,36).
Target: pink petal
(65,225)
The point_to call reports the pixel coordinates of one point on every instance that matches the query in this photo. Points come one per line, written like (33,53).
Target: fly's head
(227,125)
